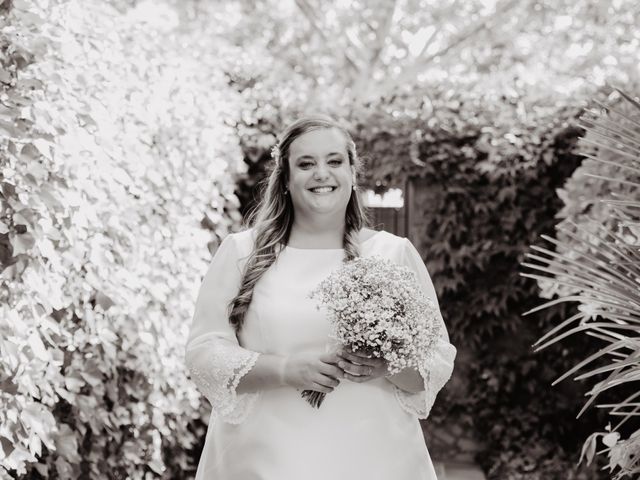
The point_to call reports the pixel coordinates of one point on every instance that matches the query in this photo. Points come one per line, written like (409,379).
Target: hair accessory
(275,153)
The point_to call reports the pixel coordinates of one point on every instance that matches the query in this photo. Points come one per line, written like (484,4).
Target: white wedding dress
(364,430)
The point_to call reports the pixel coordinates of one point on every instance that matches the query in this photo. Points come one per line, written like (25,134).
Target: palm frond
(595,263)
(622,115)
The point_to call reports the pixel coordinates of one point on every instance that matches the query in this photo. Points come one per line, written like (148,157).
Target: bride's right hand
(310,371)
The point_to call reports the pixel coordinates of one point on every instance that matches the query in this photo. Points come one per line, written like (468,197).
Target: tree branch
(484,24)
(310,15)
(381,35)
(438,15)
(382,32)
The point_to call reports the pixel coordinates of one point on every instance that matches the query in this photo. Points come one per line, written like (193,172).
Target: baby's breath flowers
(376,307)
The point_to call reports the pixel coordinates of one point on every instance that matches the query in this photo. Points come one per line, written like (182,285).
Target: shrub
(594,261)
(114,157)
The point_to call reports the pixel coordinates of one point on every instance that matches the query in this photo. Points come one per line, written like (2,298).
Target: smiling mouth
(322,189)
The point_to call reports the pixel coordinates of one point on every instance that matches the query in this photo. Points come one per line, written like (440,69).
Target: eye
(305,165)
(336,161)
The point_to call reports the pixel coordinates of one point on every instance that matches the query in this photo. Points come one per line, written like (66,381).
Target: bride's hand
(360,368)
(310,371)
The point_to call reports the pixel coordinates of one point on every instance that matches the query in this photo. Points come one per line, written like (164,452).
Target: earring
(354,187)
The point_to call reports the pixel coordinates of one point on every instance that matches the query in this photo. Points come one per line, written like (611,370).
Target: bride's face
(320,176)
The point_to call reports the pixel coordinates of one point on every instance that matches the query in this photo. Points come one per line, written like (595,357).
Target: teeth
(322,189)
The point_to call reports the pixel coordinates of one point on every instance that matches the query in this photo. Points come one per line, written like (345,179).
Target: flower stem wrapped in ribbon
(375,306)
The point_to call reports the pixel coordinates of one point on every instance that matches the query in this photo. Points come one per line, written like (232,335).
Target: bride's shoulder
(244,239)
(384,238)
(367,233)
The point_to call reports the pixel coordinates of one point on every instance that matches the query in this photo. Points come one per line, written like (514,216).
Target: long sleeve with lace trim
(437,367)
(213,356)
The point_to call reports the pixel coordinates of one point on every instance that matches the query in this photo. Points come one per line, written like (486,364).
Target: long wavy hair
(273,216)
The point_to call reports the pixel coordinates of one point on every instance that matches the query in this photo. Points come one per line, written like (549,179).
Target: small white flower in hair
(275,153)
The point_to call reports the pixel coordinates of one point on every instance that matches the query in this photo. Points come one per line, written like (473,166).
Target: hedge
(115,188)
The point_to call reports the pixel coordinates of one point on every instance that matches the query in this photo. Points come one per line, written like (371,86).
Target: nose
(320,171)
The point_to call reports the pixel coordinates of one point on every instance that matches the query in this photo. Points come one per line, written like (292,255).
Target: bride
(257,340)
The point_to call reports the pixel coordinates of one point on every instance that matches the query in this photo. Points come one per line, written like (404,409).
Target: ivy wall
(115,187)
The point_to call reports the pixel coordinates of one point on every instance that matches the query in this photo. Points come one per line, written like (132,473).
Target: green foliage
(114,155)
(595,261)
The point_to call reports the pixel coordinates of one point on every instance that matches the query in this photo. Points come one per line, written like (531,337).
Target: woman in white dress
(257,340)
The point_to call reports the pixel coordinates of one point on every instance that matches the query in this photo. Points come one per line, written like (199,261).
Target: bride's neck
(325,233)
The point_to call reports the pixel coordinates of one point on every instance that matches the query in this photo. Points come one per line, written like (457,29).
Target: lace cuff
(216,367)
(435,371)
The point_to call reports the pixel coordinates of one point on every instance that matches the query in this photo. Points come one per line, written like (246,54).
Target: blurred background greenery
(135,135)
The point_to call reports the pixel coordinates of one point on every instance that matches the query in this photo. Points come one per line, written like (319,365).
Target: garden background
(135,133)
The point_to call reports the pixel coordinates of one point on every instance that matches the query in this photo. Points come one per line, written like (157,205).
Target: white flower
(376,304)
(275,153)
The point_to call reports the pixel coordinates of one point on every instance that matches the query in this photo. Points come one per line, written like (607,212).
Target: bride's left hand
(359,368)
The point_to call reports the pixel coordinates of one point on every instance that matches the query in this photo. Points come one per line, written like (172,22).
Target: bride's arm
(215,360)
(408,380)
(416,389)
(267,372)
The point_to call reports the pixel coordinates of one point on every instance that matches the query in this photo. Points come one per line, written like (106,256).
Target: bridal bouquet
(376,306)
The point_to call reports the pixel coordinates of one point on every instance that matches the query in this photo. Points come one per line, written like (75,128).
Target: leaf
(29,153)
(50,197)
(46,248)
(62,393)
(35,445)
(104,300)
(121,176)
(44,147)
(37,347)
(8,387)
(37,171)
(21,243)
(39,421)
(73,382)
(589,448)
(157,466)
(93,376)
(67,444)
(147,338)
(17,458)
(5,77)
(107,335)
(6,447)
(63,468)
